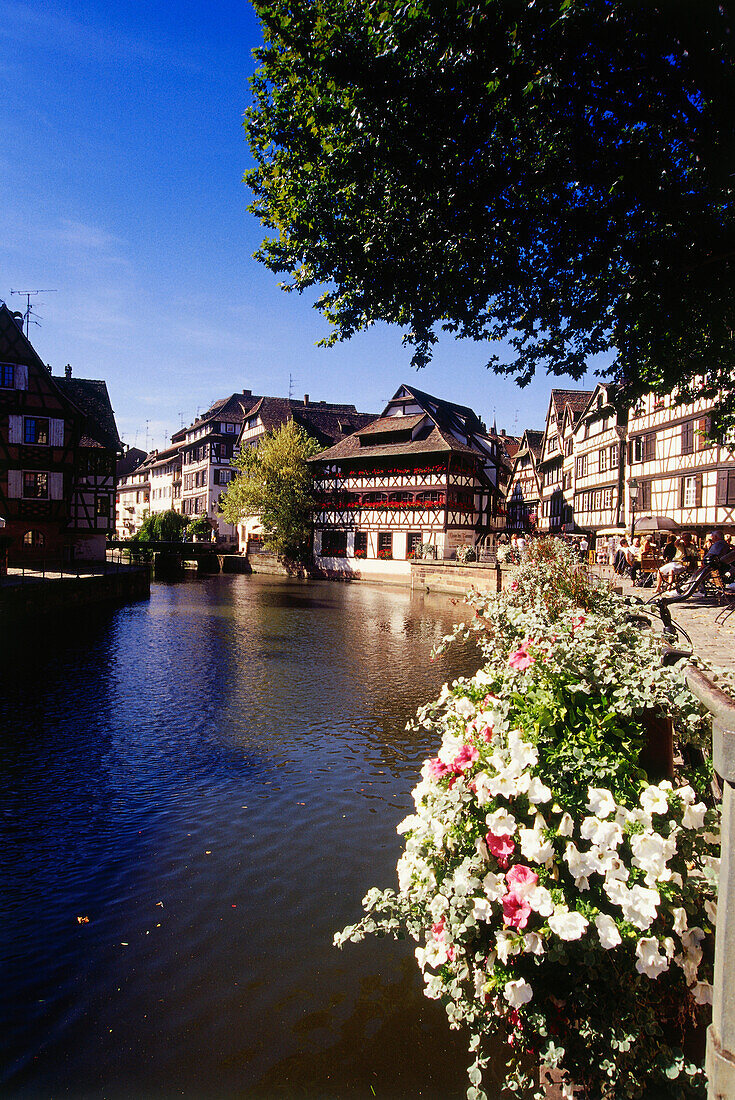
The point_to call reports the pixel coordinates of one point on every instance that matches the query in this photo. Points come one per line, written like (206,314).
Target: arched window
(36,539)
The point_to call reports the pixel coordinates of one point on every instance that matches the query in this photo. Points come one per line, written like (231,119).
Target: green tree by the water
(162,527)
(275,483)
(557,175)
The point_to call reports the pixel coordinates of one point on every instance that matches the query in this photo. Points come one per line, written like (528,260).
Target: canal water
(195,794)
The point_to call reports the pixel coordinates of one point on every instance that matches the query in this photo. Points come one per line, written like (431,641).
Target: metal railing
(51,569)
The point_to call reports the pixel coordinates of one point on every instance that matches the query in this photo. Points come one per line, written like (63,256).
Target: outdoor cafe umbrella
(644,524)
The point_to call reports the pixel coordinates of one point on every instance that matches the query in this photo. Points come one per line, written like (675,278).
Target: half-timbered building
(599,463)
(680,472)
(524,488)
(555,465)
(325,422)
(426,472)
(58,448)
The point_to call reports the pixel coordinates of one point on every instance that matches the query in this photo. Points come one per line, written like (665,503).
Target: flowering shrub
(559,898)
(385,555)
(360,553)
(466,553)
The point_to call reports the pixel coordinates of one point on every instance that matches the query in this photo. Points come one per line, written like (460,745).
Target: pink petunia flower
(502,847)
(466,756)
(437,769)
(578,621)
(516,911)
(438,929)
(520,659)
(520,879)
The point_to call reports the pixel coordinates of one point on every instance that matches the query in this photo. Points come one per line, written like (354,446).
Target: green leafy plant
(561,900)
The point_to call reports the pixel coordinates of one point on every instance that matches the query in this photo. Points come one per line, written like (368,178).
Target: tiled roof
(130,461)
(91,396)
(576,399)
(434,443)
(386,425)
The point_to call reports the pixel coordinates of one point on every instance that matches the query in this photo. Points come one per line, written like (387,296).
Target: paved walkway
(713,641)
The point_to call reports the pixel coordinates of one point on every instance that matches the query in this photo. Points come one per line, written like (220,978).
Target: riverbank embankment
(30,594)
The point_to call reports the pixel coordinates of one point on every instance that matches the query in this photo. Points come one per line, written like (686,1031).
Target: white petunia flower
(694,816)
(650,962)
(680,920)
(501,823)
(600,802)
(506,945)
(533,944)
(687,794)
(651,853)
(533,844)
(654,800)
(522,753)
(710,908)
(464,707)
(605,834)
(566,925)
(494,886)
(518,992)
(566,825)
(639,904)
(538,792)
(607,930)
(483,909)
(540,901)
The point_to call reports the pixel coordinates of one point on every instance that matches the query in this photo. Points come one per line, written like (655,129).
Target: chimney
(502,432)
(306,399)
(67,370)
(18,318)
(247,393)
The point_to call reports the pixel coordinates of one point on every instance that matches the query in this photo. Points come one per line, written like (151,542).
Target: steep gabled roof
(130,461)
(445,420)
(534,441)
(576,399)
(91,396)
(15,347)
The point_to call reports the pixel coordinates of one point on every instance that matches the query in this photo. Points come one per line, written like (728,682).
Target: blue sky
(121,189)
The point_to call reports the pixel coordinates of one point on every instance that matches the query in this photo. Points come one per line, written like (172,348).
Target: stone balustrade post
(720,1058)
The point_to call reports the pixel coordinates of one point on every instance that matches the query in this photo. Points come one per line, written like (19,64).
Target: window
(643,448)
(36,539)
(230,427)
(102,505)
(581,466)
(614,456)
(725,488)
(413,542)
(221,477)
(597,503)
(691,491)
(385,544)
(553,444)
(334,544)
(35,485)
(607,499)
(35,430)
(604,456)
(361,544)
(643,504)
(7,376)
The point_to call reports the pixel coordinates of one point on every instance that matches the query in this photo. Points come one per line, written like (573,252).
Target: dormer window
(7,376)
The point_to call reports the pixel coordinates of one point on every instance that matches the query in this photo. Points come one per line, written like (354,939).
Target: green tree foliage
(558,175)
(199,528)
(162,527)
(275,483)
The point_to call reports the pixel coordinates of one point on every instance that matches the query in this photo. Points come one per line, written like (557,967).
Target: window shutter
(21,376)
(15,429)
(56,433)
(56,486)
(721,497)
(15,484)
(687,437)
(682,490)
(698,491)
(650,447)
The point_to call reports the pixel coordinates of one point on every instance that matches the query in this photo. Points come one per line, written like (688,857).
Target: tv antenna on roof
(28,294)
(290,386)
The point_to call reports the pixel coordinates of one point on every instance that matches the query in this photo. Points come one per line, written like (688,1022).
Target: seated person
(671,569)
(716,546)
(620,563)
(669,551)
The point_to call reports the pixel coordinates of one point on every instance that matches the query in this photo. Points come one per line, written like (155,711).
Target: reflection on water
(211,781)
